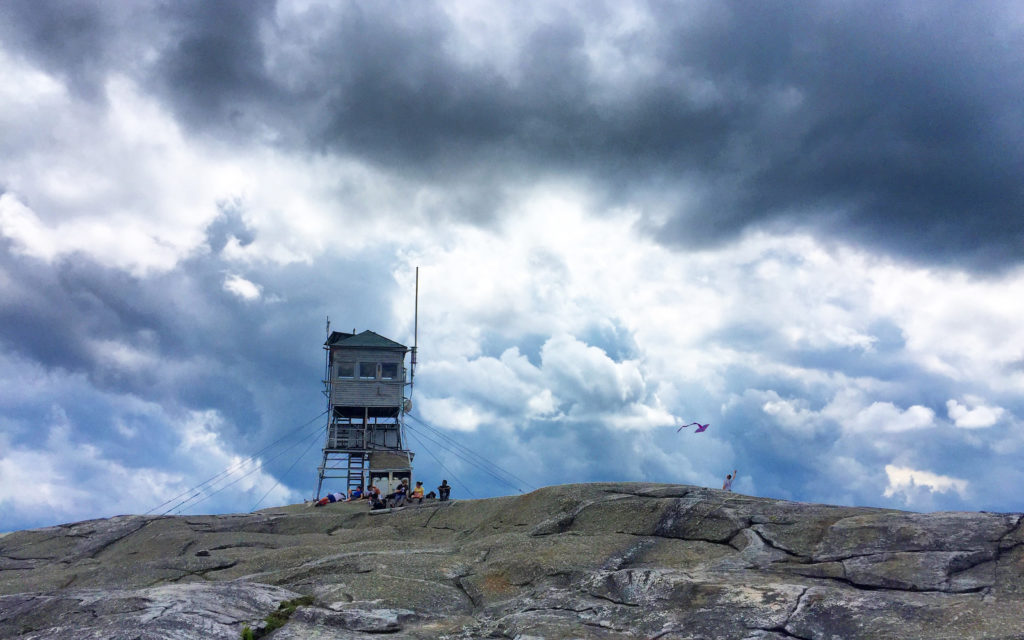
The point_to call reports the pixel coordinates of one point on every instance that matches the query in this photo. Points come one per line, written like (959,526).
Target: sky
(800,223)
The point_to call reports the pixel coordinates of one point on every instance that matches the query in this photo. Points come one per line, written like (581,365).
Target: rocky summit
(615,560)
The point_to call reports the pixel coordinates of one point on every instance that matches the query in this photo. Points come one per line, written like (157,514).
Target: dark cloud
(201,346)
(897,125)
(893,124)
(256,366)
(885,124)
(78,41)
(212,71)
(64,36)
(877,123)
(227,225)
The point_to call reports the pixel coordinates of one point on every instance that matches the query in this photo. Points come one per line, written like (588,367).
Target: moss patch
(275,620)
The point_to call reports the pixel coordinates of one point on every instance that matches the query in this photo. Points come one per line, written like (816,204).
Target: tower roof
(366,339)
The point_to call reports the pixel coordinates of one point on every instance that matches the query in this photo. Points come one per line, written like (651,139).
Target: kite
(700,427)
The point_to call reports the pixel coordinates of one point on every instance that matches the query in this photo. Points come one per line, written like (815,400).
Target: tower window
(388,370)
(367,370)
(346,370)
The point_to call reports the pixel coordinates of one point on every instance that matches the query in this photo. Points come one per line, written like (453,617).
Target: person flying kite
(700,427)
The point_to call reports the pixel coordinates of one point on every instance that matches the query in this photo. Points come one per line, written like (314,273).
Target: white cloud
(70,479)
(906,482)
(978,417)
(963,328)
(120,356)
(825,331)
(613,329)
(791,413)
(121,186)
(854,411)
(506,384)
(450,413)
(885,416)
(69,471)
(242,288)
(126,430)
(575,382)
(128,188)
(541,404)
(20,224)
(700,327)
(585,374)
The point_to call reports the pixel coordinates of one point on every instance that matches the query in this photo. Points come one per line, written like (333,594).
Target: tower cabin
(365,386)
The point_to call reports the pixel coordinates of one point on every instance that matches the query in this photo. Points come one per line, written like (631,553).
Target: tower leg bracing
(348,466)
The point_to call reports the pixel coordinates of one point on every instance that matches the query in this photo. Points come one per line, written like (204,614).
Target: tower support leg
(320,479)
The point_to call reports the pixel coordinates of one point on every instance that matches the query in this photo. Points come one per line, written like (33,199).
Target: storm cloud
(800,222)
(893,124)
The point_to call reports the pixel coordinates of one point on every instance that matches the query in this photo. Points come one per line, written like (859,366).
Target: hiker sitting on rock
(397,499)
(376,503)
(417,493)
(391,499)
(355,494)
(444,490)
(331,497)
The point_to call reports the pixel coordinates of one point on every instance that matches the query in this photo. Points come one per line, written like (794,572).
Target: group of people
(397,498)
(403,494)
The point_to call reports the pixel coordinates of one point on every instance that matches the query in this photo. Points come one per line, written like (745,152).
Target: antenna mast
(415,331)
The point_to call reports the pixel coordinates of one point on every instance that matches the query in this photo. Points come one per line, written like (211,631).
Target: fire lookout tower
(365,383)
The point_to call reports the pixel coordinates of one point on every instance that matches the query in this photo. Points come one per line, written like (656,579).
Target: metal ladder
(356,470)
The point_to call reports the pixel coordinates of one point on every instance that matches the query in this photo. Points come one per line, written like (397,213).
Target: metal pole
(415,330)
(330,416)
(320,476)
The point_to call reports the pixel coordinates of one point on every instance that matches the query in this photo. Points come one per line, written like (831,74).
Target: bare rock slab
(174,611)
(602,560)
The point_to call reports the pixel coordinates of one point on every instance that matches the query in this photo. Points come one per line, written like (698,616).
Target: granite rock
(605,560)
